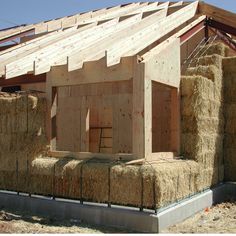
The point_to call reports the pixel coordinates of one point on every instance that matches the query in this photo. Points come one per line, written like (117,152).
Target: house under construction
(130,105)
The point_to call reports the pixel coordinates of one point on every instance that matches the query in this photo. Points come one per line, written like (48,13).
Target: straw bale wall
(202,111)
(149,186)
(22,137)
(229,66)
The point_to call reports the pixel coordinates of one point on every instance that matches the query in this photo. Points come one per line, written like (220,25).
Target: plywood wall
(161,118)
(106,105)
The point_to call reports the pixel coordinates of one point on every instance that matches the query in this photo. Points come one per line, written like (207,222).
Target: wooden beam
(180,3)
(160,156)
(56,24)
(95,40)
(89,155)
(137,42)
(171,39)
(97,49)
(24,79)
(193,31)
(99,33)
(175,121)
(15,36)
(3,48)
(93,72)
(47,57)
(222,27)
(25,64)
(15,31)
(218,14)
(142,111)
(51,96)
(27,49)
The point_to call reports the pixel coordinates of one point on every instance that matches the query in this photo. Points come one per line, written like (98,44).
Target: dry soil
(217,219)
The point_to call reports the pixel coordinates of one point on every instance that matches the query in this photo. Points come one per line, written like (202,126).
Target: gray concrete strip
(119,217)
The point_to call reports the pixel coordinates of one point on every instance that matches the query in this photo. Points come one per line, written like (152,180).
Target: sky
(17,12)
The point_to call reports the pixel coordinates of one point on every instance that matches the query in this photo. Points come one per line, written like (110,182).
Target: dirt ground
(18,222)
(217,219)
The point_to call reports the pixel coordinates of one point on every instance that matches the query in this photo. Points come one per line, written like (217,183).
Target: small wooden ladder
(105,142)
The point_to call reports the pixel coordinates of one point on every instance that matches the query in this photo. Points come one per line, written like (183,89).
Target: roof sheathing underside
(110,33)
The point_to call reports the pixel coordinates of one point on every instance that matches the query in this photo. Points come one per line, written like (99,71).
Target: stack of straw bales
(229,66)
(22,137)
(148,186)
(202,115)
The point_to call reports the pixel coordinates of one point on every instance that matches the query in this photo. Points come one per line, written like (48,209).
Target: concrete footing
(119,217)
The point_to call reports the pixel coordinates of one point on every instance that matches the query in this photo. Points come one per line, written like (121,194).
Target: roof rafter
(26,64)
(20,51)
(97,51)
(150,34)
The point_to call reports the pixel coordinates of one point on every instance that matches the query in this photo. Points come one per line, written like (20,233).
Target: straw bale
(21,113)
(21,103)
(8,161)
(221,173)
(229,65)
(37,116)
(230,140)
(67,178)
(42,176)
(192,85)
(32,144)
(8,180)
(211,159)
(214,59)
(7,104)
(95,184)
(20,122)
(23,181)
(210,72)
(230,80)
(230,98)
(13,103)
(175,180)
(126,183)
(194,144)
(230,164)
(7,142)
(192,124)
(201,107)
(8,123)
(8,168)
(148,179)
(230,110)
(208,177)
(230,126)
(32,102)
(216,48)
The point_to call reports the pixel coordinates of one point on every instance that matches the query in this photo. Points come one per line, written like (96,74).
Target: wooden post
(142,112)
(175,121)
(51,95)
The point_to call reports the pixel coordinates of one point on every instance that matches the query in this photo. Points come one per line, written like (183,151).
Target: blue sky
(16,12)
